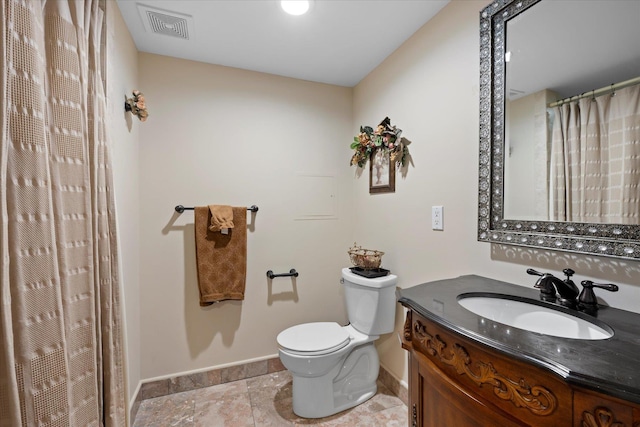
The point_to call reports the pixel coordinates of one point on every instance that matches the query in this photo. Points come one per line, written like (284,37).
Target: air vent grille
(168,25)
(515,94)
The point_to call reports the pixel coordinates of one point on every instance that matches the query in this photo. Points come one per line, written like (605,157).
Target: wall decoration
(384,136)
(382,172)
(137,105)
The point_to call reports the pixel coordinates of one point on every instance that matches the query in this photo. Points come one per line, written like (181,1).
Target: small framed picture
(382,172)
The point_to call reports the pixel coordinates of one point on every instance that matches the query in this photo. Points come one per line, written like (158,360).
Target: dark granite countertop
(610,366)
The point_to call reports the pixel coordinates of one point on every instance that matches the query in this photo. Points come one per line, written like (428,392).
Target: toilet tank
(371,303)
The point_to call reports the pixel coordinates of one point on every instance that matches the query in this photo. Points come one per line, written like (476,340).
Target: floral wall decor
(137,105)
(384,136)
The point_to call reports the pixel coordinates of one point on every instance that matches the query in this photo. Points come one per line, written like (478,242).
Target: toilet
(336,367)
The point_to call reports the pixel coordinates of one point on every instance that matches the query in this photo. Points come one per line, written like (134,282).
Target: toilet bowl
(336,367)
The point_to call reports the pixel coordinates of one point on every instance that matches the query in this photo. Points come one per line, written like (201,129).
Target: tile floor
(262,401)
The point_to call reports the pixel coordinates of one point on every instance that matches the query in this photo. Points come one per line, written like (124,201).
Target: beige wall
(218,135)
(122,78)
(429,88)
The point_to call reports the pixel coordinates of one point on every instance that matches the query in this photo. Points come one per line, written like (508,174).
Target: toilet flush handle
(342,281)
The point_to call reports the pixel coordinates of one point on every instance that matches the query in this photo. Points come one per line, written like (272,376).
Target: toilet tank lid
(378,282)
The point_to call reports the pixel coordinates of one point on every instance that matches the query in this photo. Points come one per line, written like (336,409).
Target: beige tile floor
(262,401)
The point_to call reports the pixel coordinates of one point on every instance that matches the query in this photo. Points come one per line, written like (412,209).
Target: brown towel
(221,217)
(221,258)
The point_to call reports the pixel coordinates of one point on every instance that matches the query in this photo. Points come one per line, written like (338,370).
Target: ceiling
(337,42)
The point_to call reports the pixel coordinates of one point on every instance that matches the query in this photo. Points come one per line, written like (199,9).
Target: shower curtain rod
(597,92)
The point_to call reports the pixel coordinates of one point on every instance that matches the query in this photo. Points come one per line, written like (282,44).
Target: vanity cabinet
(457,381)
(595,410)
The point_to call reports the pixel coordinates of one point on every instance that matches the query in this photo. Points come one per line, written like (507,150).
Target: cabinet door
(441,402)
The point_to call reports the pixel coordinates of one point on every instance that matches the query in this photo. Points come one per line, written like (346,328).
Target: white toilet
(336,367)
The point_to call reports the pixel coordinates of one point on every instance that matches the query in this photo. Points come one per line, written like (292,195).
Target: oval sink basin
(533,317)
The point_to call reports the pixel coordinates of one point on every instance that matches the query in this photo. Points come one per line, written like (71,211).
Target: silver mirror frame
(611,240)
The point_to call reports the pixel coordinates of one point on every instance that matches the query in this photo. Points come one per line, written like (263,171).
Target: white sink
(533,317)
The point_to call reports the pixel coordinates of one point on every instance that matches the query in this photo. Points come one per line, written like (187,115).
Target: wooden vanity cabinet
(458,382)
(592,409)
(438,401)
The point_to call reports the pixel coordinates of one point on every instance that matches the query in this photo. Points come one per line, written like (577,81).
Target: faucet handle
(568,272)
(587,300)
(588,284)
(533,272)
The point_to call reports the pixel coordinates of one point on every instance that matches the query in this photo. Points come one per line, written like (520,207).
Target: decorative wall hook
(137,105)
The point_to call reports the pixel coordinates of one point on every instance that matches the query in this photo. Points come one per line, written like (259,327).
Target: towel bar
(291,272)
(181,208)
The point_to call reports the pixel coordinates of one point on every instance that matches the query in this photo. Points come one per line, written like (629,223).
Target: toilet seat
(313,339)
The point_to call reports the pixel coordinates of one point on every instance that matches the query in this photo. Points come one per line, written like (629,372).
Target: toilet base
(303,408)
(348,384)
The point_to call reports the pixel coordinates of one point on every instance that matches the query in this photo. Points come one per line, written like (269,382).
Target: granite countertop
(610,366)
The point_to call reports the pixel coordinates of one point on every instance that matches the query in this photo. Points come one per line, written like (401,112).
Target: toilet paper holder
(291,273)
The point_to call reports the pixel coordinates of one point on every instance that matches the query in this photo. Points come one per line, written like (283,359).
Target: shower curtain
(595,159)
(61,358)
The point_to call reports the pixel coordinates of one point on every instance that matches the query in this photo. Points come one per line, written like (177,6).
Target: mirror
(532,54)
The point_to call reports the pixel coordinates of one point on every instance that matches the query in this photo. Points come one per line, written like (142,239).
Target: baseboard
(396,386)
(134,404)
(185,381)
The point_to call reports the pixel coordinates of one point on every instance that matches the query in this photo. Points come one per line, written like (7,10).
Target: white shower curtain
(595,159)
(61,358)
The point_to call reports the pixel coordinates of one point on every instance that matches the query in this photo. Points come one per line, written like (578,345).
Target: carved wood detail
(601,417)
(406,335)
(407,327)
(536,399)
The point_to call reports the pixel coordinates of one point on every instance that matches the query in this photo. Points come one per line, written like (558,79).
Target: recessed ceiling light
(295,7)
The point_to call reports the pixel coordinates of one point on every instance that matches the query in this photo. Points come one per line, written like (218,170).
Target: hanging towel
(221,217)
(221,259)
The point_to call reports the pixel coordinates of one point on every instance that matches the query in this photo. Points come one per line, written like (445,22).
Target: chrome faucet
(552,288)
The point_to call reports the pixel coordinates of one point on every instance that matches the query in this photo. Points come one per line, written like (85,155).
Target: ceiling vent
(515,94)
(165,22)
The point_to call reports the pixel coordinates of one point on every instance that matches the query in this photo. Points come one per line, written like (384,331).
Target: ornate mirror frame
(613,240)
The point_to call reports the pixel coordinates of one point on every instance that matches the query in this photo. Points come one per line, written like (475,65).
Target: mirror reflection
(572,113)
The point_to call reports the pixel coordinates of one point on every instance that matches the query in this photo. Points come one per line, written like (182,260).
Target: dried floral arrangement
(383,136)
(137,105)
(365,258)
